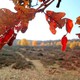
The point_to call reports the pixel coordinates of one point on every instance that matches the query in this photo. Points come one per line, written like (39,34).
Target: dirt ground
(39,63)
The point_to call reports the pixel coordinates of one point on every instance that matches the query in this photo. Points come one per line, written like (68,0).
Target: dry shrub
(23,65)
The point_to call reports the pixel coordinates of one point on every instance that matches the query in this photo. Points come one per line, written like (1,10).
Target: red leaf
(18,28)
(61,23)
(69,25)
(1,39)
(23,30)
(78,35)
(12,39)
(53,24)
(52,29)
(24,26)
(78,20)
(8,35)
(56,17)
(25,13)
(7,20)
(64,42)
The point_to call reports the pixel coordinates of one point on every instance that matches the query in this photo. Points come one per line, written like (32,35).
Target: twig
(44,5)
(58,4)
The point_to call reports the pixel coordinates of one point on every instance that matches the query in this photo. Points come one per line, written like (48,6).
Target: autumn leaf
(69,25)
(78,35)
(24,26)
(53,27)
(10,42)
(61,23)
(7,20)
(17,28)
(19,20)
(53,30)
(64,42)
(53,24)
(23,30)
(23,3)
(78,20)
(15,1)
(57,17)
(26,3)
(6,37)
(1,38)
(25,13)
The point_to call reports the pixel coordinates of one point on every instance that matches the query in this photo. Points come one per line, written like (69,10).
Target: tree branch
(44,5)
(58,4)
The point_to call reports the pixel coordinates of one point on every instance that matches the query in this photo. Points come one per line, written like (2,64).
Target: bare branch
(58,4)
(44,5)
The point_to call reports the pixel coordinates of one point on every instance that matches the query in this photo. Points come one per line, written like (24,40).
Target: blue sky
(38,28)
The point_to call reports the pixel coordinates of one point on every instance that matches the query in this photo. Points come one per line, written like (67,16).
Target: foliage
(23,42)
(18,21)
(73,45)
(34,43)
(78,22)
(64,42)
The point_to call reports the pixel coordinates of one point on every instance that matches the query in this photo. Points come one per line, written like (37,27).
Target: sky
(38,28)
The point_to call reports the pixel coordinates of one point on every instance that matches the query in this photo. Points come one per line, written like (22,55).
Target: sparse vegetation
(23,65)
(44,62)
